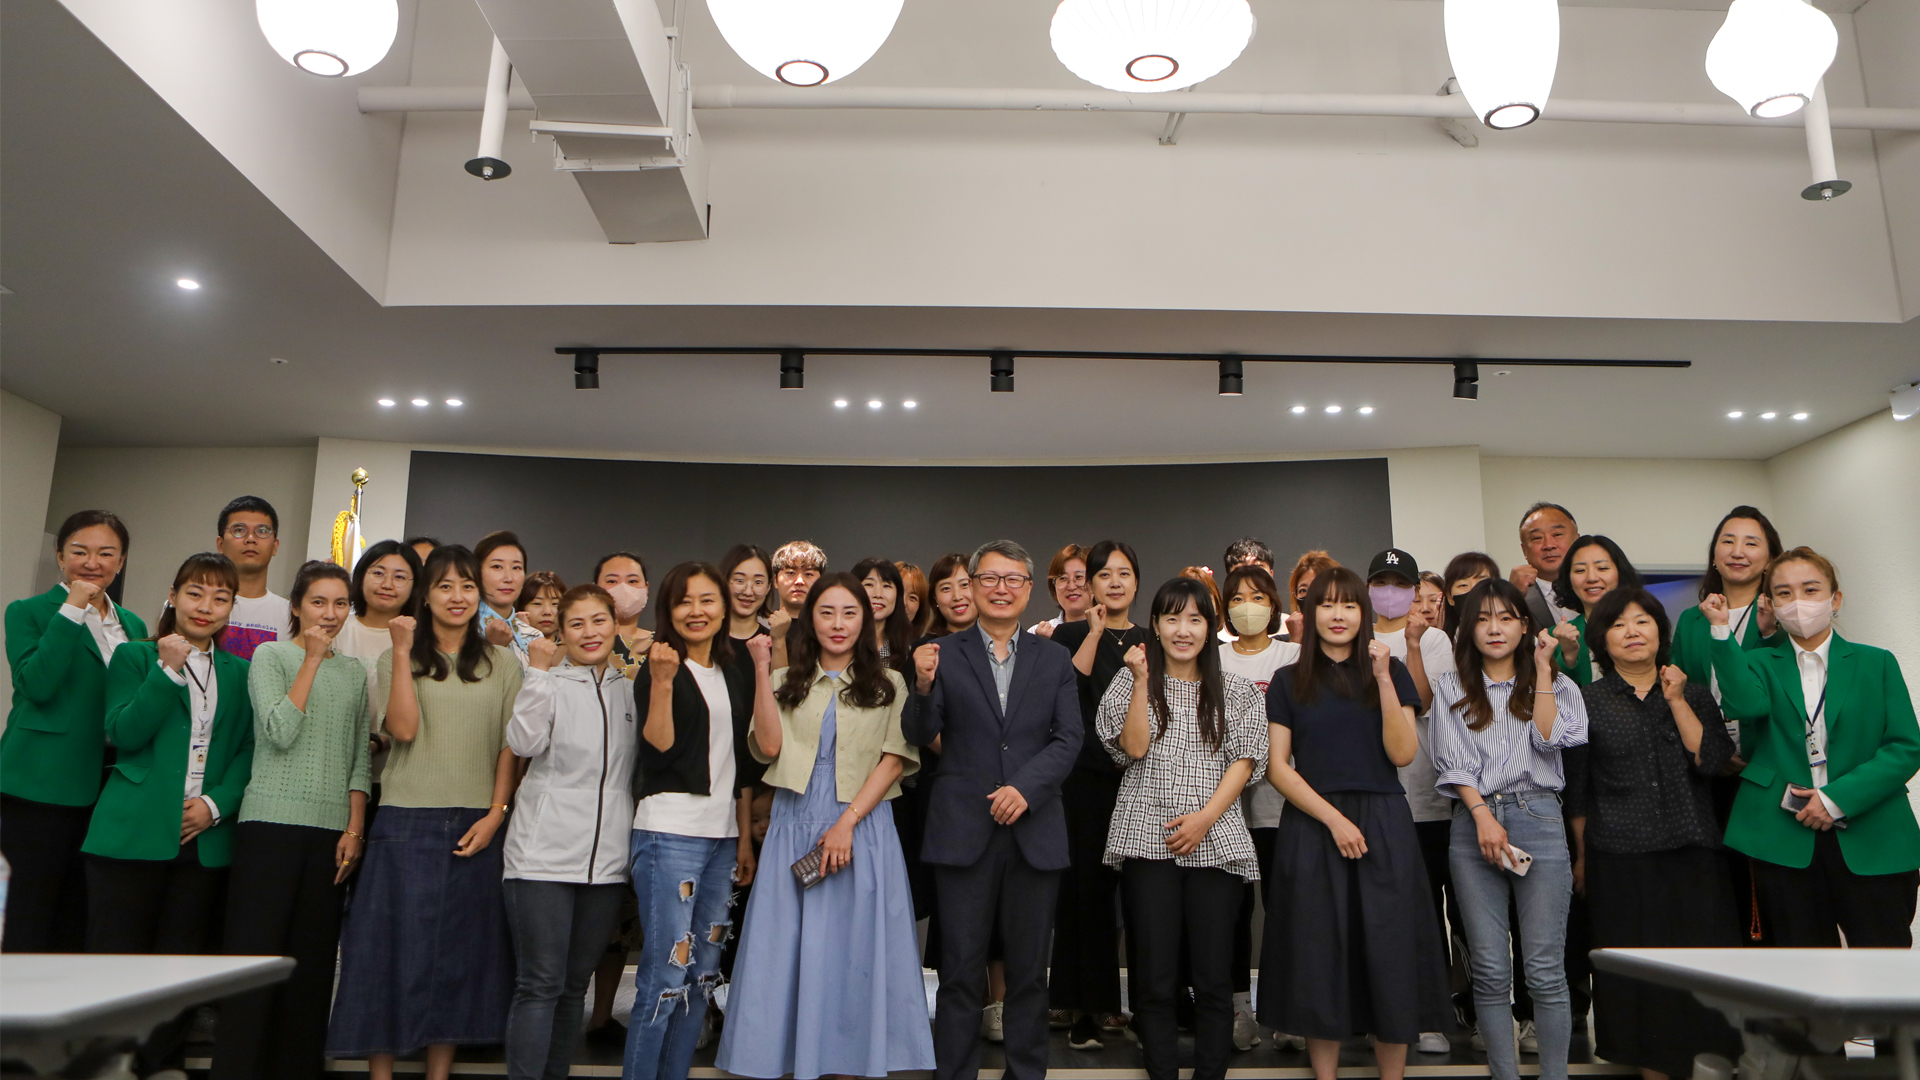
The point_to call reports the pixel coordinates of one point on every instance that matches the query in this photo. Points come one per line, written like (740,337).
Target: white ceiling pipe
(375,99)
(1827,184)
(487,163)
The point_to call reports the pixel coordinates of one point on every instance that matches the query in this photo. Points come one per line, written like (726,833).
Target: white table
(1823,996)
(52,1004)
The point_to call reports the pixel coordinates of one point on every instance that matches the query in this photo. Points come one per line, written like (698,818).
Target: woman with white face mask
(624,575)
(1823,810)
(1254,615)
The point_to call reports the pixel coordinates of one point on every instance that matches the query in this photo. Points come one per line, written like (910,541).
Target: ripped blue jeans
(684,883)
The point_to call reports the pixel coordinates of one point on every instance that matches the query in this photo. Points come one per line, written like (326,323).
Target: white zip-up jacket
(574,813)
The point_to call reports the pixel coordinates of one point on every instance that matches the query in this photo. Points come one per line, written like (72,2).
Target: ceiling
(107,197)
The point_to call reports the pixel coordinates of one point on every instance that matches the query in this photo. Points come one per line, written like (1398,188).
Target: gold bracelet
(356,836)
(502,807)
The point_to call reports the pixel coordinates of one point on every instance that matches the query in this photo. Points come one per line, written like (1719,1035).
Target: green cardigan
(1873,749)
(306,762)
(1693,644)
(138,816)
(55,745)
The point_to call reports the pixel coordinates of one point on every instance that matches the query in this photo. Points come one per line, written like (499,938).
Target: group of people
(479,788)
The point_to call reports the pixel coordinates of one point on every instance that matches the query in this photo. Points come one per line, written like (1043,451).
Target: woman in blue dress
(828,979)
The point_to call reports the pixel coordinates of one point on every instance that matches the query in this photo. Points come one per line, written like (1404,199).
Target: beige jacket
(861,736)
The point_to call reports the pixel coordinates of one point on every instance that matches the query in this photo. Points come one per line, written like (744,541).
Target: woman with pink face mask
(1830,728)
(624,575)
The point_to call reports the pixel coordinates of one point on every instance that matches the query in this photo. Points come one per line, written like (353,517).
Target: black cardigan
(683,766)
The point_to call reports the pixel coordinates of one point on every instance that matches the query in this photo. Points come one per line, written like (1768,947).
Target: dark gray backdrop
(571,511)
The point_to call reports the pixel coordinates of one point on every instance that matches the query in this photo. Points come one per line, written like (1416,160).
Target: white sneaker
(1433,1042)
(992,1027)
(1529,1038)
(1246,1033)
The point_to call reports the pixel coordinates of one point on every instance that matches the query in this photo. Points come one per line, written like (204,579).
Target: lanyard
(187,666)
(1745,614)
(1817,754)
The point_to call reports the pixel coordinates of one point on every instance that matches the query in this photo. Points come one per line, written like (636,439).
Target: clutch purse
(810,869)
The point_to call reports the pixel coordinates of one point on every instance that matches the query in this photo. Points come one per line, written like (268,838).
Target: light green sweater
(306,761)
(463,727)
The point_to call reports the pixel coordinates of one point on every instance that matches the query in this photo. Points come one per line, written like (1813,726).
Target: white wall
(383,504)
(1854,496)
(29,439)
(1662,512)
(171,500)
(1436,498)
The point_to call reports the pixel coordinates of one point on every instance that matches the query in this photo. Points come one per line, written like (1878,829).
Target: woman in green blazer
(179,715)
(54,746)
(1594,567)
(1822,808)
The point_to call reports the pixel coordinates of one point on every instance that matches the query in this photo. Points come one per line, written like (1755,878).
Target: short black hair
(87,519)
(357,588)
(1539,506)
(248,504)
(1608,611)
(415,541)
(1247,549)
(1102,553)
(609,557)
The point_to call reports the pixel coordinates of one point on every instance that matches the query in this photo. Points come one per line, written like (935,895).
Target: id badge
(197,762)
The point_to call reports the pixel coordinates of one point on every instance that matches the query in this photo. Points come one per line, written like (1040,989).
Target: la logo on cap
(1393,558)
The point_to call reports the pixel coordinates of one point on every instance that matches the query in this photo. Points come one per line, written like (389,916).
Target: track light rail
(1093,354)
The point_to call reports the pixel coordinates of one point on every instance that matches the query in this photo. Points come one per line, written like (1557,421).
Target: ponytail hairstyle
(449,561)
(1174,598)
(1492,595)
(206,568)
(898,628)
(1331,585)
(311,571)
(867,684)
(1710,581)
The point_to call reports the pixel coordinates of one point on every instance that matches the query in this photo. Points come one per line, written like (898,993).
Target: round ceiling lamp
(1769,55)
(805,42)
(1504,53)
(331,38)
(1150,45)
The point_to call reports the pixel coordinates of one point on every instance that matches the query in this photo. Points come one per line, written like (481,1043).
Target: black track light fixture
(586,370)
(1466,379)
(1232,380)
(1001,367)
(793,370)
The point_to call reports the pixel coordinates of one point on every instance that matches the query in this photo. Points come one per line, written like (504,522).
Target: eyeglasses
(240,532)
(1071,579)
(742,580)
(1011,581)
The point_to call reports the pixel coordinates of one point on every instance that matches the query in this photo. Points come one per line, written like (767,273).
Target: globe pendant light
(1770,54)
(1504,53)
(330,37)
(805,42)
(1150,45)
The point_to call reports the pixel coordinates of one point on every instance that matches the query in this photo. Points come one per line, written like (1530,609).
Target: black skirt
(1352,946)
(1661,899)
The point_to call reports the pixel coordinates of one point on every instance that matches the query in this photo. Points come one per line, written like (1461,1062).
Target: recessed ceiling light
(419,403)
(279,359)
(1799,416)
(874,404)
(1503,372)
(1768,415)
(1735,414)
(1298,409)
(909,404)
(1366,410)
(840,403)
(188,284)
(455,402)
(1331,409)
(385,403)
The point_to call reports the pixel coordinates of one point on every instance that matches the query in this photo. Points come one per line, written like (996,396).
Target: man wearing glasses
(1005,707)
(250,536)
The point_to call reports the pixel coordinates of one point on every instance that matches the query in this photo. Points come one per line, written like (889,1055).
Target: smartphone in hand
(1516,860)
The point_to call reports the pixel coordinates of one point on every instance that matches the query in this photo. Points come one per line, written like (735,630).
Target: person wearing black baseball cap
(1393,580)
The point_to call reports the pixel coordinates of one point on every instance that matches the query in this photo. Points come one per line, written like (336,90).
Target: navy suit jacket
(1031,745)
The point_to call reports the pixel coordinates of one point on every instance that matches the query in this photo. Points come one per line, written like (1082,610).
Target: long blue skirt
(424,955)
(828,979)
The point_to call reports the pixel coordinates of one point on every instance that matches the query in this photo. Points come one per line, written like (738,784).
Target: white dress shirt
(1813,688)
(203,699)
(107,632)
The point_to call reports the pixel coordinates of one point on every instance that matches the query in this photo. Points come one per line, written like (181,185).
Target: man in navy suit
(1006,708)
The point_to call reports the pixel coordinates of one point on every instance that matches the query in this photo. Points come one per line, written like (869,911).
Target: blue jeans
(684,883)
(1532,821)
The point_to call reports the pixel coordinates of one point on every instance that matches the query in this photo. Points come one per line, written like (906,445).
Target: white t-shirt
(256,619)
(1261,803)
(685,814)
(365,644)
(1418,776)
